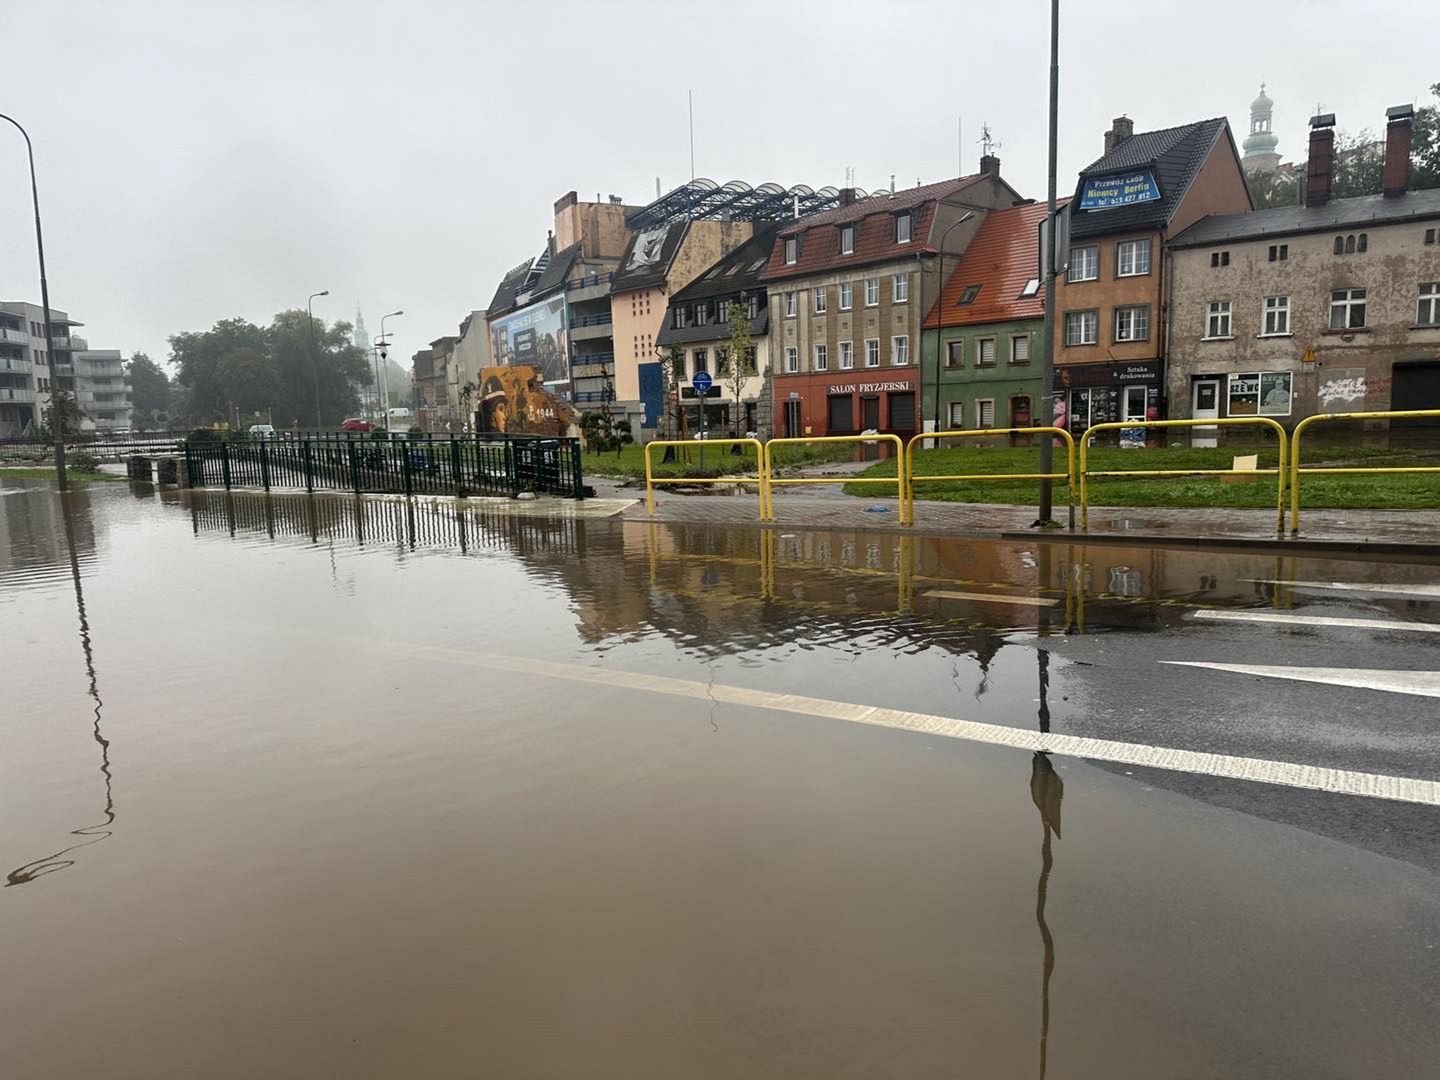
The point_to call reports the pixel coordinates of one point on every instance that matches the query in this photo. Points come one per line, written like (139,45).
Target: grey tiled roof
(1174,154)
(1289,220)
(504,298)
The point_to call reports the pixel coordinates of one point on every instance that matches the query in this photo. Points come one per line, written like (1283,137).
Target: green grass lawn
(49,474)
(1378,492)
(718,460)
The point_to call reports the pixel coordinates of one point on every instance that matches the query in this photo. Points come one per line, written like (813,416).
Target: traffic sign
(1309,357)
(701,382)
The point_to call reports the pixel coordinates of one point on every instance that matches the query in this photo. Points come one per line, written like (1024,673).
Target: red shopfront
(845,403)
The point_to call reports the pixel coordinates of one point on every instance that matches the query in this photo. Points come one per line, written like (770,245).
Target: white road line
(1316,620)
(1258,770)
(1419,683)
(1354,586)
(994,598)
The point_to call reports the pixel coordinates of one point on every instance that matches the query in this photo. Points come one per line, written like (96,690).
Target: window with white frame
(790,305)
(722,311)
(847,295)
(957,416)
(1427,311)
(1275,316)
(702,313)
(1082,327)
(872,291)
(1217,319)
(1084,263)
(902,228)
(985,355)
(872,352)
(822,357)
(847,355)
(900,350)
(792,250)
(820,295)
(679,318)
(900,290)
(1132,323)
(847,239)
(1347,309)
(792,359)
(1132,258)
(1020,349)
(985,412)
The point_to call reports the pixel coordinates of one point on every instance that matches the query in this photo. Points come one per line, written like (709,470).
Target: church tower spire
(1260,146)
(359,335)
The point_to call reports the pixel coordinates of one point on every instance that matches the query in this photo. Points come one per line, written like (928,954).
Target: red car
(355,423)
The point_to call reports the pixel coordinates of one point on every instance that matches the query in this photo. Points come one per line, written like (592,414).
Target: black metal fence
(415,465)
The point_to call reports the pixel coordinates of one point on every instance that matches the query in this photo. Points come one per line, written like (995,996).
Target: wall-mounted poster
(1275,393)
(535,336)
(1108,192)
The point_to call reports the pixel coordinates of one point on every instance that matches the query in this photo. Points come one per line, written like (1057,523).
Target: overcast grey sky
(199,160)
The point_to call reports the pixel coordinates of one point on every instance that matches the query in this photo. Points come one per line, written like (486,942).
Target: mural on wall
(648,246)
(534,336)
(514,399)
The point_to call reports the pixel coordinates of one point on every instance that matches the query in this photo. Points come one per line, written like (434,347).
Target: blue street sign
(701,382)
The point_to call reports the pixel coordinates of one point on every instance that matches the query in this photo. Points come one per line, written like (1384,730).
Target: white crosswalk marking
(1419,683)
(1355,586)
(1284,618)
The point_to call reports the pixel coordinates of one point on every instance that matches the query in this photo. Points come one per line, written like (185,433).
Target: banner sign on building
(534,336)
(1108,192)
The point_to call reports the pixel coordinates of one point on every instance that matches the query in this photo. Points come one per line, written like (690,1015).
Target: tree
(69,410)
(1425,144)
(1269,189)
(1359,165)
(149,389)
(236,365)
(742,360)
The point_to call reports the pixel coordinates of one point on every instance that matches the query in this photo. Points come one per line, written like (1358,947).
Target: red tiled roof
(1002,257)
(874,234)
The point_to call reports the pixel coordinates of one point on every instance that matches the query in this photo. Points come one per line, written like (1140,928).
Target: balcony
(588,288)
(20,395)
(60,341)
(99,370)
(15,365)
(599,331)
(14,337)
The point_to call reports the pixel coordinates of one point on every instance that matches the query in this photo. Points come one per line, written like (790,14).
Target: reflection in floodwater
(1046,791)
(90,834)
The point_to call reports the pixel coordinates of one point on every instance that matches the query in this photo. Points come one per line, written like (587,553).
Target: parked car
(356,423)
(262,431)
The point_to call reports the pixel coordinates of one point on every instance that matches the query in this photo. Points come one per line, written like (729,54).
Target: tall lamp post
(1047,363)
(314,361)
(57,422)
(383,374)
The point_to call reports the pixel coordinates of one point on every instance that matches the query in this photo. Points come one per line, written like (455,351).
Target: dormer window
(902,228)
(792,250)
(847,239)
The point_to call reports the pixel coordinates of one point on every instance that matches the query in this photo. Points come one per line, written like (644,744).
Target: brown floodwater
(298,787)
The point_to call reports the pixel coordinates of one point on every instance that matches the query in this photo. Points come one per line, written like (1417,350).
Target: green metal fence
(416,465)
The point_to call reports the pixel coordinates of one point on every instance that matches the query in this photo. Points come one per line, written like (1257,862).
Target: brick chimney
(1320,170)
(989,165)
(1398,121)
(847,196)
(1121,128)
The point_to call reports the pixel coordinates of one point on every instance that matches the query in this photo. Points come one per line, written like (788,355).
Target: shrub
(80,461)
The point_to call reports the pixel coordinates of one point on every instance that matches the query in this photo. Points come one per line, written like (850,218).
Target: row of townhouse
(922,309)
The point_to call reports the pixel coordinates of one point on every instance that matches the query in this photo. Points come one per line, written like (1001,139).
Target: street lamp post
(1047,363)
(314,360)
(57,422)
(384,373)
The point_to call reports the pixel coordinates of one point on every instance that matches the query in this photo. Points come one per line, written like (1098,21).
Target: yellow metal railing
(767,495)
(975,433)
(1296,469)
(761,478)
(1278,472)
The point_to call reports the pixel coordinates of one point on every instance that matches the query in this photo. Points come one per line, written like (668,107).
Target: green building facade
(985,375)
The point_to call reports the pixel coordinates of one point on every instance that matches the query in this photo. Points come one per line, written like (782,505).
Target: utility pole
(1047,366)
(57,421)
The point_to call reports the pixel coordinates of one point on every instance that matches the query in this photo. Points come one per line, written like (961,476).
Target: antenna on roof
(960,145)
(691,95)
(988,144)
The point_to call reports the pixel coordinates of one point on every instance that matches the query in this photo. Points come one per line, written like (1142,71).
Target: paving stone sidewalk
(1415,532)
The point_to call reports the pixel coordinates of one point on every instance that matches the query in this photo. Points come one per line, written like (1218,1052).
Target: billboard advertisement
(533,336)
(1108,192)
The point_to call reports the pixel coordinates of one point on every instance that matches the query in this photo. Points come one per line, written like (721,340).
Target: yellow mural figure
(514,399)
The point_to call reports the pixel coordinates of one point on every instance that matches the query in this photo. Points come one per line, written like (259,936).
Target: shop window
(840,413)
(1259,393)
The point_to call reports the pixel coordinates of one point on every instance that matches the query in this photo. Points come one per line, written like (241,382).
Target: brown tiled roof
(874,234)
(1001,259)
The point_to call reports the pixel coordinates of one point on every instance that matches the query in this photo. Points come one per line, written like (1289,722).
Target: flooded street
(301,787)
